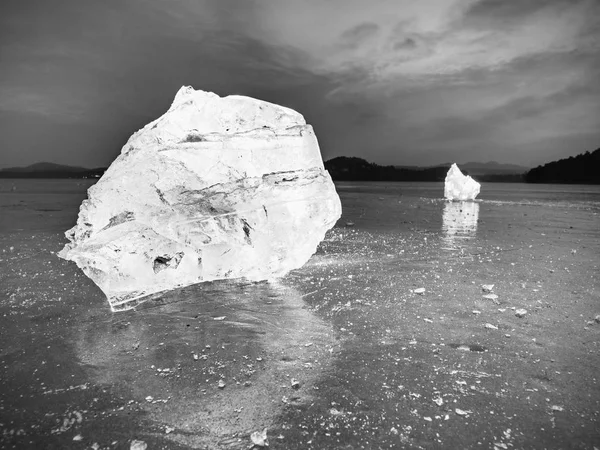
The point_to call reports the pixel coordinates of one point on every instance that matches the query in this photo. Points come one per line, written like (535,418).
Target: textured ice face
(215,188)
(459,186)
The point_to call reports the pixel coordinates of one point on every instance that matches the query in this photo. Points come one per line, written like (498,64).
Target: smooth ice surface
(216,188)
(459,186)
(370,355)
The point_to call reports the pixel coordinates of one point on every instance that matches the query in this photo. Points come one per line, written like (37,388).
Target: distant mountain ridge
(483,167)
(492,167)
(51,170)
(45,167)
(345,168)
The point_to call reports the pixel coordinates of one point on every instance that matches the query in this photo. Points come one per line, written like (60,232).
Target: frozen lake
(376,365)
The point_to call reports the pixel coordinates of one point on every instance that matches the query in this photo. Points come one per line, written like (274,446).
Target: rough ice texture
(459,186)
(216,188)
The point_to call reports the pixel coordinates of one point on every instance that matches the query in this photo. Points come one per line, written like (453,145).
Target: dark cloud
(505,16)
(507,81)
(501,10)
(354,36)
(403,38)
(79,95)
(405,44)
(467,137)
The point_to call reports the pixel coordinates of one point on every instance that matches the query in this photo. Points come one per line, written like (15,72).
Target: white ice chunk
(215,188)
(459,186)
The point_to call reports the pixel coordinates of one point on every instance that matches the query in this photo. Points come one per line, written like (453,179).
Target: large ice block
(459,186)
(215,188)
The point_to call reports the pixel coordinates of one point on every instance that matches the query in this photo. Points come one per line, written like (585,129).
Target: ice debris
(492,297)
(521,312)
(216,188)
(459,186)
(138,445)
(259,438)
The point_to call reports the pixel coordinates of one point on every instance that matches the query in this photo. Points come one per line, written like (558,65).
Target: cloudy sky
(405,82)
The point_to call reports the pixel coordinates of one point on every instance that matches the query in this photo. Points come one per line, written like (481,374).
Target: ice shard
(459,186)
(216,188)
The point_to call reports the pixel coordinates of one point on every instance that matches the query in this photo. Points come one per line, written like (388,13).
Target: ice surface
(310,326)
(459,186)
(215,188)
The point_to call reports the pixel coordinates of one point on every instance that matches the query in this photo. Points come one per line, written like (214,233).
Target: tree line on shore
(580,169)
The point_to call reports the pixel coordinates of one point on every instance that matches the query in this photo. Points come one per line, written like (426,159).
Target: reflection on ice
(459,220)
(215,367)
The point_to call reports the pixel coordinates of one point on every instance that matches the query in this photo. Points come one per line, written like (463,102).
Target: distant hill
(492,168)
(580,169)
(357,169)
(478,168)
(50,170)
(344,168)
(45,167)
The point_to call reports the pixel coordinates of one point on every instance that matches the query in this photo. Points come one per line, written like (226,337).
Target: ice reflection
(170,355)
(459,221)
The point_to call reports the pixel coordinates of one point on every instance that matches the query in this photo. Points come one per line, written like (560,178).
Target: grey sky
(396,82)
